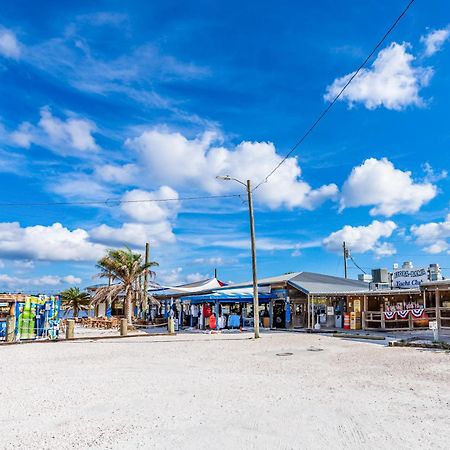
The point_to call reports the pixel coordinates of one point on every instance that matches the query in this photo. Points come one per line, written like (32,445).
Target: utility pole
(345,258)
(253,245)
(147,256)
(255,278)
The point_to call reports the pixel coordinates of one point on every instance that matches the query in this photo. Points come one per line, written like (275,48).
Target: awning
(229,296)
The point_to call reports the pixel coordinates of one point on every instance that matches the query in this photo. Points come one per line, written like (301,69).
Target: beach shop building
(284,302)
(313,300)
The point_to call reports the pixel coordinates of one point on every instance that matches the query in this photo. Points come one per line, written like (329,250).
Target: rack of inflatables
(36,317)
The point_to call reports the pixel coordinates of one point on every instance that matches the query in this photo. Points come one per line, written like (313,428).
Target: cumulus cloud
(150,210)
(61,136)
(24,284)
(362,239)
(392,81)
(172,158)
(390,190)
(9,45)
(147,220)
(435,40)
(134,234)
(48,243)
(431,176)
(433,235)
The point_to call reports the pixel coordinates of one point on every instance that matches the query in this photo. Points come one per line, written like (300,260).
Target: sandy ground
(223,391)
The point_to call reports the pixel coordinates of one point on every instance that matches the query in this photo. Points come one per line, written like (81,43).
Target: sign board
(330,311)
(4,304)
(433,325)
(408,278)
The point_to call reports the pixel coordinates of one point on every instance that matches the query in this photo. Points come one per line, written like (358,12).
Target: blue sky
(142,101)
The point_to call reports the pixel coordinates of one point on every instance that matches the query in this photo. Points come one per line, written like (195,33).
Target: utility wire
(115,202)
(360,268)
(335,99)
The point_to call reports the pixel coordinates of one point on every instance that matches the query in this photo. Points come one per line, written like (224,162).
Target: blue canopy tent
(228,296)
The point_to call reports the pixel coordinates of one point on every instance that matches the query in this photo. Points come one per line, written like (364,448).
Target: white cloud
(48,243)
(390,190)
(80,186)
(148,221)
(262,244)
(61,136)
(392,81)
(435,40)
(174,277)
(168,157)
(362,239)
(151,210)
(433,236)
(24,284)
(197,276)
(70,279)
(431,176)
(9,45)
(134,234)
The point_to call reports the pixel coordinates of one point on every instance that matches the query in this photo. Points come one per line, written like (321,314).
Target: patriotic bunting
(392,315)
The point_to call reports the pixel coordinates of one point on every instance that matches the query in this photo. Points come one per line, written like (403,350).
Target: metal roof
(311,283)
(269,280)
(436,283)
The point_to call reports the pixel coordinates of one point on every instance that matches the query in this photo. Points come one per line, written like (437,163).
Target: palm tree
(123,268)
(75,299)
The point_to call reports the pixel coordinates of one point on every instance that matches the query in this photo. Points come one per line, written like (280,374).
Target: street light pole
(255,278)
(253,247)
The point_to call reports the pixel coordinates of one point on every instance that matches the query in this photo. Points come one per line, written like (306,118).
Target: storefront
(224,308)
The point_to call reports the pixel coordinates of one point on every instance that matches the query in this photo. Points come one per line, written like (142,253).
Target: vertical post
(217,314)
(171,325)
(438,305)
(345,259)
(10,328)
(108,299)
(363,316)
(70,329)
(253,244)
(147,260)
(424,298)
(270,314)
(308,313)
(215,273)
(123,326)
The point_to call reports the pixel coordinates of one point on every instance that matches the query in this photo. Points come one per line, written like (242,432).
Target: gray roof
(316,283)
(311,283)
(436,283)
(266,281)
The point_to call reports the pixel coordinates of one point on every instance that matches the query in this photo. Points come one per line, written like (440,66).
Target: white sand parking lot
(223,391)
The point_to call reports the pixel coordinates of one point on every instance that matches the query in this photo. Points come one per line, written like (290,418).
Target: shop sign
(4,304)
(433,325)
(408,279)
(330,311)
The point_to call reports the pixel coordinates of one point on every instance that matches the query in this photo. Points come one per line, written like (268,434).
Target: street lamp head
(224,177)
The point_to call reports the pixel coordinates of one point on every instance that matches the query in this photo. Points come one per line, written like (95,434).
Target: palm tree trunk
(128,299)
(75,311)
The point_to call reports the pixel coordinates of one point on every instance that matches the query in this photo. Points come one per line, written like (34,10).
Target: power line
(360,268)
(114,202)
(335,99)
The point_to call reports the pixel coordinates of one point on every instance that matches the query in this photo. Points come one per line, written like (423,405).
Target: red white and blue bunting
(393,315)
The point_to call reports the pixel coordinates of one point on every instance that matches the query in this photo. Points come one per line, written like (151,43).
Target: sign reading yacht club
(408,278)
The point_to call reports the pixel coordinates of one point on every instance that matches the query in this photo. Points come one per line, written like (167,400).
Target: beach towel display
(38,317)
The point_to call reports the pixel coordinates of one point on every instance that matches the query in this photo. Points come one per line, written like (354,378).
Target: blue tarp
(228,296)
